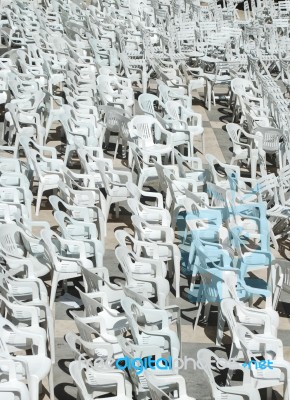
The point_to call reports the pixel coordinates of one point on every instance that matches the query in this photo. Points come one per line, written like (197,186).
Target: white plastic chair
(81,231)
(244,391)
(97,303)
(89,380)
(97,280)
(184,120)
(160,386)
(93,329)
(83,213)
(264,346)
(236,313)
(11,387)
(250,152)
(112,92)
(65,257)
(48,172)
(149,213)
(21,338)
(116,190)
(25,290)
(162,336)
(157,286)
(17,247)
(149,135)
(148,104)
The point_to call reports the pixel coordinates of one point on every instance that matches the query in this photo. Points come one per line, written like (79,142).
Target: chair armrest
(157,196)
(155,315)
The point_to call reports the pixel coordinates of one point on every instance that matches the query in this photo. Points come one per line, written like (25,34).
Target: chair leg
(33,385)
(130,158)
(220,328)
(116,148)
(233,355)
(141,181)
(209,92)
(107,138)
(39,198)
(177,261)
(50,334)
(117,210)
(51,384)
(205,94)
(206,311)
(174,217)
(48,127)
(54,283)
(273,239)
(68,150)
(124,148)
(163,300)
(108,206)
(197,316)
(213,96)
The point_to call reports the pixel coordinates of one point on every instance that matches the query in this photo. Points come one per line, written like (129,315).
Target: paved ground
(217,143)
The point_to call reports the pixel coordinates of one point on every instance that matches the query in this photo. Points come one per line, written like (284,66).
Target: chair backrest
(10,387)
(155,392)
(126,258)
(72,228)
(217,194)
(77,371)
(133,351)
(163,90)
(142,127)
(161,175)
(90,304)
(234,132)
(75,342)
(88,333)
(213,286)
(218,179)
(174,110)
(183,161)
(35,157)
(99,281)
(51,247)
(10,238)
(15,114)
(134,191)
(204,357)
(147,103)
(79,213)
(104,170)
(28,144)
(267,188)
(138,158)
(114,117)
(134,206)
(133,312)
(122,256)
(230,309)
(139,298)
(94,281)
